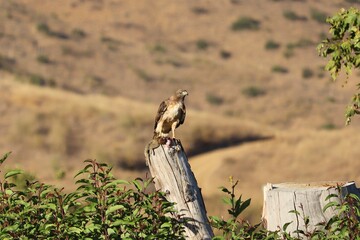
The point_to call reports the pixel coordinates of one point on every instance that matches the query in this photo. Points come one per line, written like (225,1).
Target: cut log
(172,174)
(307,199)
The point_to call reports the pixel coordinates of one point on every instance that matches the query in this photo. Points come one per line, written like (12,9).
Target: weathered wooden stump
(172,174)
(308,199)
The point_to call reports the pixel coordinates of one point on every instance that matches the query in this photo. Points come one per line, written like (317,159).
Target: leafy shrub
(279,69)
(20,179)
(328,126)
(293,16)
(202,44)
(270,45)
(253,91)
(234,227)
(318,16)
(142,74)
(43,59)
(102,207)
(200,10)
(70,51)
(214,99)
(159,48)
(39,80)
(225,54)
(245,23)
(45,29)
(77,33)
(7,63)
(307,73)
(301,43)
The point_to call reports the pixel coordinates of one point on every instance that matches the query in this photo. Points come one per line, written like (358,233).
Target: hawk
(171,114)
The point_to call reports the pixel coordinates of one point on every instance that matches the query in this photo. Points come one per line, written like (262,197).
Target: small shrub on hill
(279,69)
(245,23)
(78,33)
(225,54)
(202,44)
(7,63)
(41,81)
(46,30)
(43,59)
(307,73)
(253,91)
(293,16)
(318,15)
(214,99)
(271,45)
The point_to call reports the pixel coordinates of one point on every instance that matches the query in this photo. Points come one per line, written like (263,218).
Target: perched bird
(171,114)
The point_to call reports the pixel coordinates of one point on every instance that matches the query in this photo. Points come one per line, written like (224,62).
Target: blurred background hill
(83,79)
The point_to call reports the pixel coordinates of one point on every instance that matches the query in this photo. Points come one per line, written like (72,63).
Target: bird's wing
(183,114)
(162,108)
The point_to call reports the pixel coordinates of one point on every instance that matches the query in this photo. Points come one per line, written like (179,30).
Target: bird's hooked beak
(185,93)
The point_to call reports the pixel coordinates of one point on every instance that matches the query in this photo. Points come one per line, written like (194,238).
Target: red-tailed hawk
(171,114)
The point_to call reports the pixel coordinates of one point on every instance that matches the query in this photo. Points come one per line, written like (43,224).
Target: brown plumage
(171,114)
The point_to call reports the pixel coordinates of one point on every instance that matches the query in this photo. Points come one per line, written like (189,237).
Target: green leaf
(114,208)
(225,190)
(12,173)
(286,226)
(166,225)
(75,230)
(227,201)
(333,195)
(122,222)
(331,204)
(6,155)
(110,231)
(244,205)
(137,185)
(115,183)
(51,206)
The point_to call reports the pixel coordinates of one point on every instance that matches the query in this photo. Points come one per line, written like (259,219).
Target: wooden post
(307,199)
(172,174)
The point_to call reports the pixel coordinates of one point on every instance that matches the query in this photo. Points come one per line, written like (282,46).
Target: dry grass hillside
(83,79)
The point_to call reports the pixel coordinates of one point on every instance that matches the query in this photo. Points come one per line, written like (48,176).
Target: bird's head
(181,93)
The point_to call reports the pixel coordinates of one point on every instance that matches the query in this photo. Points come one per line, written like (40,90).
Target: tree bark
(172,174)
(307,199)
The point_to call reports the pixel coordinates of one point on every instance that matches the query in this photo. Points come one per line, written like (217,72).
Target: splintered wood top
(317,185)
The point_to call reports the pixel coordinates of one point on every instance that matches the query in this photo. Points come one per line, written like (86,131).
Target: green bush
(77,33)
(318,16)
(245,23)
(253,91)
(307,73)
(293,16)
(214,99)
(159,48)
(41,81)
(270,45)
(44,28)
(279,69)
(102,207)
(202,44)
(225,54)
(43,59)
